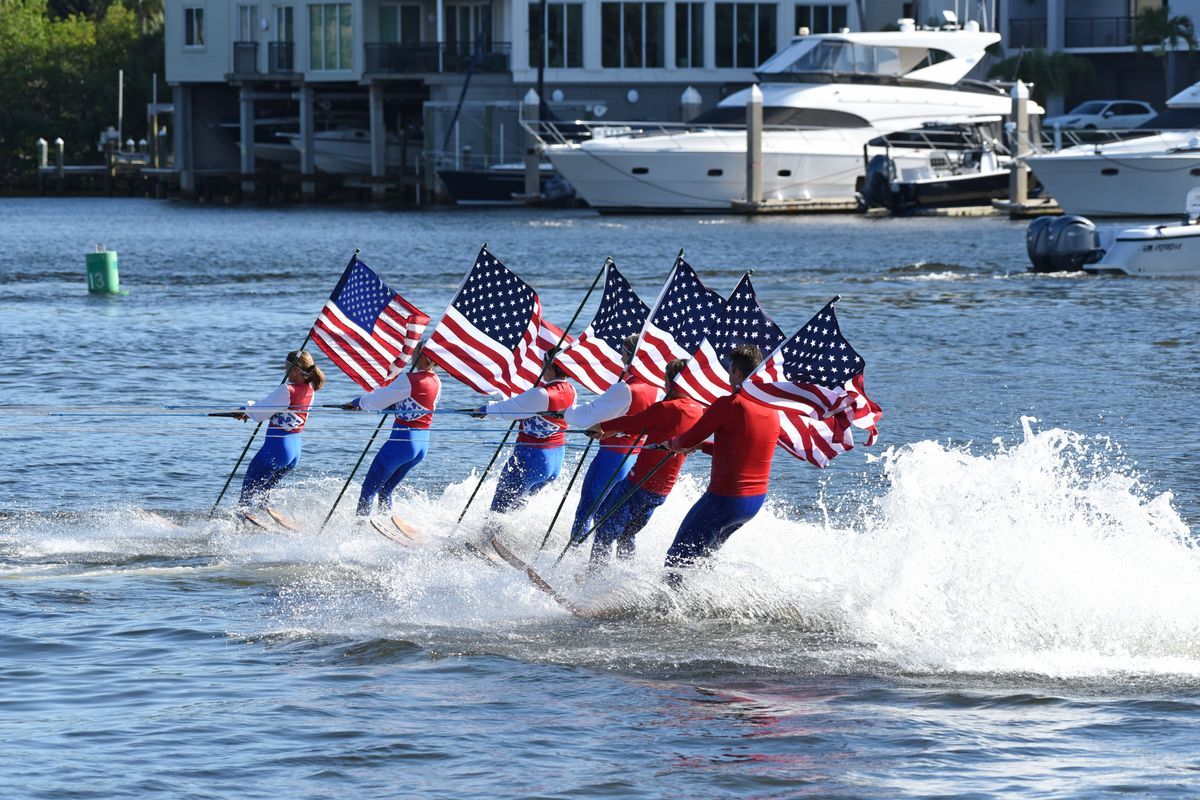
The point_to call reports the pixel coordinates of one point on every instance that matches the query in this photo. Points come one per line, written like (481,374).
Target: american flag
(744,322)
(367,329)
(815,379)
(808,373)
(492,337)
(683,315)
(816,441)
(595,358)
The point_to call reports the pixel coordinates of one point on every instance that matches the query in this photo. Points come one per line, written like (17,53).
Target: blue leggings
(399,454)
(600,472)
(712,520)
(526,472)
(278,456)
(624,523)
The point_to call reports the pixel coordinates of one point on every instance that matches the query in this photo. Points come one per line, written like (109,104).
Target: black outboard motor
(877,185)
(1037,244)
(1073,241)
(1064,244)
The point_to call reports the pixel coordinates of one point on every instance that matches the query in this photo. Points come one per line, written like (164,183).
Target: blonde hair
(303,361)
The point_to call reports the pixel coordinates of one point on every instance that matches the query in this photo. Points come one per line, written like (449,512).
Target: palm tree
(1049,74)
(1154,26)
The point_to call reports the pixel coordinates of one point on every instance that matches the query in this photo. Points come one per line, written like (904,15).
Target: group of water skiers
(644,435)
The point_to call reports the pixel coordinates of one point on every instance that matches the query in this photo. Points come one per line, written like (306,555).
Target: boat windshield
(833,56)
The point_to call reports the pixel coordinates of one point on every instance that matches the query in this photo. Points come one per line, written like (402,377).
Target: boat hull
(1119,186)
(708,179)
(952,191)
(1154,250)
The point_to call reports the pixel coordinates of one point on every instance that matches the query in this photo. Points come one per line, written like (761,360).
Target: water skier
(629,395)
(743,446)
(413,396)
(287,409)
(660,422)
(537,458)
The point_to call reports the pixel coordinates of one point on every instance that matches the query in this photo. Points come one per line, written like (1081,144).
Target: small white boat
(347,151)
(1161,250)
(1167,250)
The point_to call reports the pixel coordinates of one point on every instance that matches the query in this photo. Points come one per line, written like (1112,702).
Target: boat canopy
(934,57)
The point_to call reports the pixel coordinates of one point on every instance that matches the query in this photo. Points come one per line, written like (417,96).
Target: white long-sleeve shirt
(385,396)
(522,406)
(612,404)
(278,400)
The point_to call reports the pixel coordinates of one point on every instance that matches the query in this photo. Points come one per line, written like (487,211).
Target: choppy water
(1003,598)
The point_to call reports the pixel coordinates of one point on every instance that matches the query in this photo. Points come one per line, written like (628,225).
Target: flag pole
(616,507)
(545,366)
(383,418)
(567,493)
(254,433)
(571,541)
(612,478)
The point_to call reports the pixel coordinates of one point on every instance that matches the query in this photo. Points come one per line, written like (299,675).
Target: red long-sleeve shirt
(661,421)
(743,447)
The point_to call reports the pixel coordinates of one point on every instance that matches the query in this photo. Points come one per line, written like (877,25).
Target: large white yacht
(824,97)
(1132,177)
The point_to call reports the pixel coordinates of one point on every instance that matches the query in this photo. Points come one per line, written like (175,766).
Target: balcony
(245,58)
(389,58)
(281,57)
(1099,31)
(1027,33)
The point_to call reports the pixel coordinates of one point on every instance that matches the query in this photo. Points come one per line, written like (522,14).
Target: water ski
(401,532)
(254,519)
(534,578)
(284,520)
(391,533)
(404,528)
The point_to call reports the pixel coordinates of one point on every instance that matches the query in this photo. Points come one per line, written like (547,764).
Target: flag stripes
(367,330)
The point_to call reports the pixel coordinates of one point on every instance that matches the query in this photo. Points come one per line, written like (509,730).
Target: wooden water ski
(389,532)
(405,528)
(252,518)
(473,549)
(284,520)
(534,578)
(403,533)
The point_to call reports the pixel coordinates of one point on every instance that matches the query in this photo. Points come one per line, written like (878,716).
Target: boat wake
(1042,556)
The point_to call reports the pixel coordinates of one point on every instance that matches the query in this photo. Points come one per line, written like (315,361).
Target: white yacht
(824,97)
(1140,176)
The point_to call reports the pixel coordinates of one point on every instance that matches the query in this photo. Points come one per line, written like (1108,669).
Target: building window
(400,24)
(466,23)
(564,46)
(631,34)
(744,34)
(689,34)
(247,23)
(193,27)
(821,17)
(283,24)
(330,37)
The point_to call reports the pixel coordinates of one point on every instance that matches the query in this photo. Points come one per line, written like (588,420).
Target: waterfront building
(1104,33)
(418,84)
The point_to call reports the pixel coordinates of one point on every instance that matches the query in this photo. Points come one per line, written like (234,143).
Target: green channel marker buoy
(102,275)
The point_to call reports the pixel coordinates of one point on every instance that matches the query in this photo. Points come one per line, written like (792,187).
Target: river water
(1001,597)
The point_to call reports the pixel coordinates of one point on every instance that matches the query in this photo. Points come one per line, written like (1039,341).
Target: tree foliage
(1156,27)
(1050,74)
(59,77)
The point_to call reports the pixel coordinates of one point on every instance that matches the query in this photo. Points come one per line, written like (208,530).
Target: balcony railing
(1027,33)
(281,57)
(391,58)
(1099,31)
(245,58)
